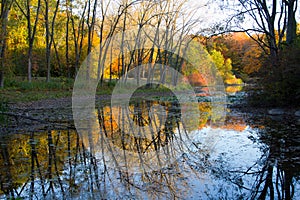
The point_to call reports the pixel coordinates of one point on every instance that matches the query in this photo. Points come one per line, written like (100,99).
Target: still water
(146,151)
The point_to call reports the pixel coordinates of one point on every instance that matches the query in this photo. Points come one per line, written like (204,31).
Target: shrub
(280,80)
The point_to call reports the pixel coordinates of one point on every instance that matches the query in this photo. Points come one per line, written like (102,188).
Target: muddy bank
(51,113)
(57,113)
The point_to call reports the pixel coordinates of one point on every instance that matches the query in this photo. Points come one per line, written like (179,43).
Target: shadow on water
(145,151)
(280,163)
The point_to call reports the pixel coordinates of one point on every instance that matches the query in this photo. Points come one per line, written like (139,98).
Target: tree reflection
(276,173)
(138,129)
(33,163)
(144,150)
(6,177)
(280,169)
(64,164)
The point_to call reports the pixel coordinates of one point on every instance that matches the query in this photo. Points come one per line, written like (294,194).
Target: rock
(297,113)
(276,111)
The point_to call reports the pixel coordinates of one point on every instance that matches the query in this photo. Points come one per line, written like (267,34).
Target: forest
(51,39)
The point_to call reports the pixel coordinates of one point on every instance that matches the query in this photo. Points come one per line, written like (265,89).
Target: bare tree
(68,8)
(31,28)
(106,42)
(78,34)
(104,9)
(91,25)
(273,20)
(49,34)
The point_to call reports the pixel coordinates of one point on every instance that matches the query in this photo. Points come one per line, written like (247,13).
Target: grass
(20,90)
(27,96)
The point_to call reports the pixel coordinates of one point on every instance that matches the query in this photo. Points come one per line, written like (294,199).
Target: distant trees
(245,54)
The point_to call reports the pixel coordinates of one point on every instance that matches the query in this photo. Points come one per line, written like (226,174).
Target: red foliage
(196,79)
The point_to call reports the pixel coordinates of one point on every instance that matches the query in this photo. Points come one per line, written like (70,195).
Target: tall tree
(49,36)
(91,26)
(273,19)
(78,32)
(5,8)
(26,9)
(291,32)
(68,10)
(106,41)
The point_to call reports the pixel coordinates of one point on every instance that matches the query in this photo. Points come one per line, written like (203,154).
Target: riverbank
(56,113)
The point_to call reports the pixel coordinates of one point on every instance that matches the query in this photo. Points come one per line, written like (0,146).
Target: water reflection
(144,125)
(33,164)
(246,158)
(279,178)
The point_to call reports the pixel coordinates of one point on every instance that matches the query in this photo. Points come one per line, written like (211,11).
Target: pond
(145,150)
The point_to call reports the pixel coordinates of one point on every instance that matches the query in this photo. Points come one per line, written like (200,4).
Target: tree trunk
(30,42)
(29,67)
(47,36)
(78,34)
(5,8)
(291,32)
(122,46)
(67,40)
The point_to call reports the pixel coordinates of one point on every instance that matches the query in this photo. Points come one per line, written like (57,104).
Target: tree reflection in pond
(33,163)
(279,177)
(233,161)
